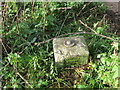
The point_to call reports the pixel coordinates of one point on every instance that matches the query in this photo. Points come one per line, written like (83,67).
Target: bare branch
(87,26)
(63,8)
(24,79)
(63,24)
(3,46)
(76,33)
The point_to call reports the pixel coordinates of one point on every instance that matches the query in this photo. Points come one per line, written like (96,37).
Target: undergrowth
(28,63)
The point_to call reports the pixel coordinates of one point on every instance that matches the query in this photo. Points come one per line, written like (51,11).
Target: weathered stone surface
(70,51)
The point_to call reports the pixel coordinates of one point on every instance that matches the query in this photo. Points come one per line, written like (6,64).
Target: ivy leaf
(34,39)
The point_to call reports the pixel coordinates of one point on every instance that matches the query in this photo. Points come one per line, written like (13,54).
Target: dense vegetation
(28,52)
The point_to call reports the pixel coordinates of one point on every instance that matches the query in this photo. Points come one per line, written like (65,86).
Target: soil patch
(113,16)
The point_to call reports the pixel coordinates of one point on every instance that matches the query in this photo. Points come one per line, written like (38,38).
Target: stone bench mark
(70,51)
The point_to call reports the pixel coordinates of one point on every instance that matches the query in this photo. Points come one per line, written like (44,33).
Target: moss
(75,61)
(72,62)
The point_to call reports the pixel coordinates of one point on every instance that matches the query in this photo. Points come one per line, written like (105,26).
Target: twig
(62,24)
(24,79)
(23,50)
(83,8)
(97,33)
(62,8)
(3,46)
(101,20)
(4,65)
(76,33)
(9,47)
(16,15)
(87,26)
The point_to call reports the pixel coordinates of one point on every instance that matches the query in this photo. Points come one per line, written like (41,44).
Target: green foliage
(35,69)
(101,74)
(27,65)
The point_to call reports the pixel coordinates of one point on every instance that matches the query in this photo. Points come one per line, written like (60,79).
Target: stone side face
(70,55)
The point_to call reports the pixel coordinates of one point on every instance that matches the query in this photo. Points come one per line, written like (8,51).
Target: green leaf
(108,63)
(41,82)
(50,18)
(99,29)
(92,81)
(34,39)
(115,68)
(82,86)
(94,65)
(1,31)
(103,60)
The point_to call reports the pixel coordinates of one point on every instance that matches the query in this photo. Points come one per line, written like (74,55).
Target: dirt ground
(113,15)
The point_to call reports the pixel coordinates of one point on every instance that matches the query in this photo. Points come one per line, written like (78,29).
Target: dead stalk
(76,33)
(24,79)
